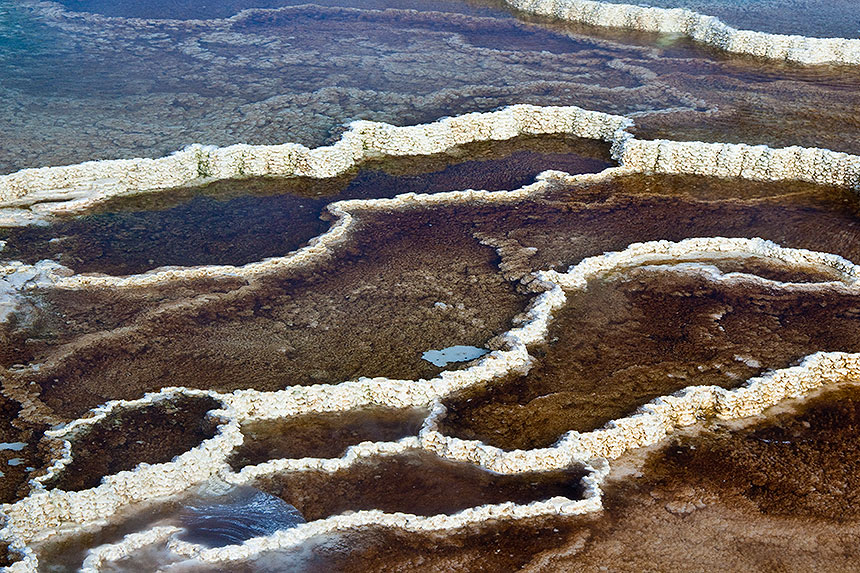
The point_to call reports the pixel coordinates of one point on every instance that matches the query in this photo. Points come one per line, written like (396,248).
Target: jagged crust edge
(83,184)
(87,183)
(702,28)
(37,515)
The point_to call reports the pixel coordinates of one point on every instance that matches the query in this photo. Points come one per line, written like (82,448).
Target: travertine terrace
(118,509)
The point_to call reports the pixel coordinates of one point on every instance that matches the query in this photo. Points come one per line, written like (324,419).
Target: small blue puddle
(14,446)
(453,354)
(239,515)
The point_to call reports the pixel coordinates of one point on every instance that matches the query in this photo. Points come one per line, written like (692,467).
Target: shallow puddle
(152,434)
(648,333)
(66,554)
(191,10)
(241,221)
(323,435)
(304,330)
(236,516)
(318,327)
(513,546)
(416,482)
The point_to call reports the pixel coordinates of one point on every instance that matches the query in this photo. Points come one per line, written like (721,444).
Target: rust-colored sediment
(649,333)
(323,435)
(150,434)
(416,483)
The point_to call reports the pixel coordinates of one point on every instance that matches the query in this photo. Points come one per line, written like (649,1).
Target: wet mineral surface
(88,79)
(150,434)
(416,483)
(646,333)
(764,486)
(133,88)
(235,222)
(316,323)
(323,435)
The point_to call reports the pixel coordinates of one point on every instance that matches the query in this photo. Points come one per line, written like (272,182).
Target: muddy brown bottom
(323,435)
(235,222)
(321,326)
(19,451)
(778,495)
(152,434)
(646,333)
(415,482)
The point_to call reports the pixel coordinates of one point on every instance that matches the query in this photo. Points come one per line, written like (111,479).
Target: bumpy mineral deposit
(530,285)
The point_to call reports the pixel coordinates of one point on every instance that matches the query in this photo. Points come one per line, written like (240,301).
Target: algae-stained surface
(152,434)
(415,483)
(768,484)
(323,435)
(633,337)
(222,358)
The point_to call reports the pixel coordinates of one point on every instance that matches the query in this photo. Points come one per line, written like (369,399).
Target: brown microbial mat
(241,221)
(150,434)
(440,276)
(415,482)
(435,286)
(777,495)
(570,223)
(803,460)
(19,454)
(645,333)
(323,435)
(49,318)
